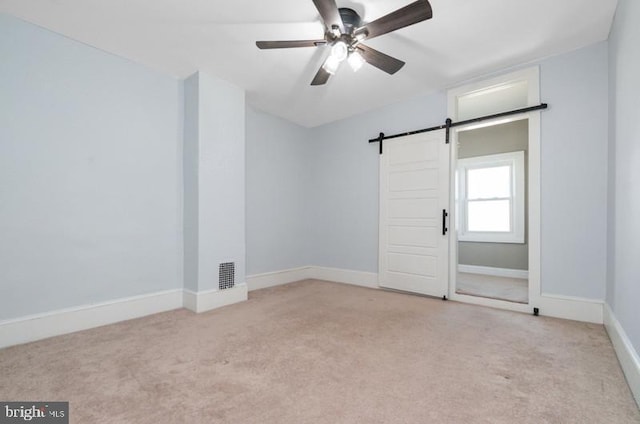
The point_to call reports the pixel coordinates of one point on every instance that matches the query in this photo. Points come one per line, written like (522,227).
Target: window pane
(489,215)
(487,183)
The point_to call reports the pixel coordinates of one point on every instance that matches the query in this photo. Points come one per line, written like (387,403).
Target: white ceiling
(465,38)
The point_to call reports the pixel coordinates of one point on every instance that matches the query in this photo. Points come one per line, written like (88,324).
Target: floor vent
(227,273)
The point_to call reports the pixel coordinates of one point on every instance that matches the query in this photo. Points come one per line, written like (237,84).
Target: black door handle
(444,222)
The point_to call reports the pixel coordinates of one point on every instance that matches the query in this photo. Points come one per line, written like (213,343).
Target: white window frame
(515,160)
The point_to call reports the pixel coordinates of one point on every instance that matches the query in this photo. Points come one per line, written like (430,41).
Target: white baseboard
(627,355)
(69,320)
(276,278)
(213,299)
(568,307)
(494,272)
(574,308)
(64,321)
(346,276)
(41,326)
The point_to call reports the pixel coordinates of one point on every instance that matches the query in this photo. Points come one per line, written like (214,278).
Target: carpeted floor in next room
(318,352)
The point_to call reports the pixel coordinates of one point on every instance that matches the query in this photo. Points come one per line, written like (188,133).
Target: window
(490,198)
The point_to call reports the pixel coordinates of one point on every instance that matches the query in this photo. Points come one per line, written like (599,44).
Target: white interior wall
(278,192)
(221,180)
(623,291)
(90,181)
(574,173)
(190,169)
(214,181)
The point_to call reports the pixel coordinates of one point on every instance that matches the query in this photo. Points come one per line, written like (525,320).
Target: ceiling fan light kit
(355,61)
(345,33)
(331,65)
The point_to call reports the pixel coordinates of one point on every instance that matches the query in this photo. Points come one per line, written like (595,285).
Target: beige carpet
(317,352)
(502,288)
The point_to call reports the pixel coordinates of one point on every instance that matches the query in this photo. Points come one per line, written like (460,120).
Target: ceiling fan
(344,32)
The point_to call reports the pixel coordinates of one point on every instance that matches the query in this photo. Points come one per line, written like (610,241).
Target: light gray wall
(574,173)
(190,166)
(623,291)
(573,167)
(312,194)
(89,175)
(279,188)
(346,179)
(217,191)
(504,138)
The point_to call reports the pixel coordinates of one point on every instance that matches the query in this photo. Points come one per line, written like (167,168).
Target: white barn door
(414,193)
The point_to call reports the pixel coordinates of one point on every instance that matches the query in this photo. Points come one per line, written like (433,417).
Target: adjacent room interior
(397,212)
(491,192)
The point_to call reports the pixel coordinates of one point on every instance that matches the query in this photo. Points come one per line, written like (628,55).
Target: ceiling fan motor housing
(350,19)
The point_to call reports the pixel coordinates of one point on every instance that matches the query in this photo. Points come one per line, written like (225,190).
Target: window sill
(492,238)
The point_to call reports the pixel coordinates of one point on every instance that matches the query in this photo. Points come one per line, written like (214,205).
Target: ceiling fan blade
(413,13)
(289,44)
(321,77)
(329,12)
(384,62)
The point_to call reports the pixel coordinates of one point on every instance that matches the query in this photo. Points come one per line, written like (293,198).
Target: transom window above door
(491,198)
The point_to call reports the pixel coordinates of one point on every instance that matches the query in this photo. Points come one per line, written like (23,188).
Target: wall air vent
(226,278)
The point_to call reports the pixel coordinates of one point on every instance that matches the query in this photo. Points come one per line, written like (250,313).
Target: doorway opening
(491,212)
(495,186)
